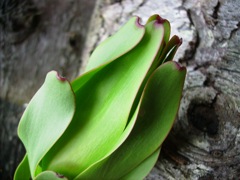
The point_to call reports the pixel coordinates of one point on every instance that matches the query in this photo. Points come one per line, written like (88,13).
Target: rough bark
(35,37)
(204,142)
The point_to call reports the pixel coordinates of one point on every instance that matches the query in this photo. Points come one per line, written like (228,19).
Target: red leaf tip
(138,23)
(159,20)
(178,66)
(59,175)
(61,78)
(177,41)
(180,41)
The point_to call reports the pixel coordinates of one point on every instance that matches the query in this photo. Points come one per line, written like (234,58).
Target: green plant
(110,122)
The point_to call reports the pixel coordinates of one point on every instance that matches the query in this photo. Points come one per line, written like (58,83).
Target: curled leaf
(46,118)
(159,106)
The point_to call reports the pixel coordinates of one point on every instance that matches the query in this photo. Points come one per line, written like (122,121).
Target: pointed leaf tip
(157,18)
(160,20)
(180,41)
(179,66)
(59,77)
(138,22)
(176,40)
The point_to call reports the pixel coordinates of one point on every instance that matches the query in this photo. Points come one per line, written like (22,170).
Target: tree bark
(204,142)
(35,37)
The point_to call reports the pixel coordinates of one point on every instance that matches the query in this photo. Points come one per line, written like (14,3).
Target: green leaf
(22,171)
(110,49)
(46,118)
(123,137)
(170,49)
(157,113)
(166,24)
(167,30)
(103,107)
(50,175)
(143,169)
(118,44)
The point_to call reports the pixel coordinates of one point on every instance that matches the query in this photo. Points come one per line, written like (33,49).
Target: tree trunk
(205,140)
(35,37)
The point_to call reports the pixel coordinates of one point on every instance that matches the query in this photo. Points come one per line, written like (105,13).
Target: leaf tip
(59,175)
(159,20)
(138,22)
(179,67)
(60,78)
(178,40)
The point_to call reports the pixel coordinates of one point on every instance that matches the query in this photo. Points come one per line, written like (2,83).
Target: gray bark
(204,142)
(33,41)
